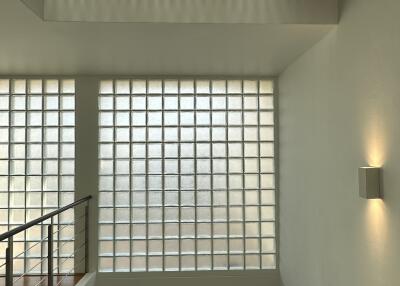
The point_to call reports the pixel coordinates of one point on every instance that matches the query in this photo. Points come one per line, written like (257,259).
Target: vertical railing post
(50,274)
(87,237)
(9,262)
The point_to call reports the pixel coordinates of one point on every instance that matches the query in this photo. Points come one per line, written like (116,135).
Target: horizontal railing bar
(41,219)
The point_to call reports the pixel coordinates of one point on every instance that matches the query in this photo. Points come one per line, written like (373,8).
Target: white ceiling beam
(191,11)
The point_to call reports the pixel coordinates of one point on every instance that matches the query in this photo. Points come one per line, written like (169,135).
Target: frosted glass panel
(187,175)
(36,155)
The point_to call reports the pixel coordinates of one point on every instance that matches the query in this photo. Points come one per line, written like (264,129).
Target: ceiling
(188,11)
(31,46)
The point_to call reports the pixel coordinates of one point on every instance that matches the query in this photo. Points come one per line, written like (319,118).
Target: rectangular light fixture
(369,182)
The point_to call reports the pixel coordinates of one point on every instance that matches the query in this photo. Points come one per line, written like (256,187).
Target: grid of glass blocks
(187,177)
(37,141)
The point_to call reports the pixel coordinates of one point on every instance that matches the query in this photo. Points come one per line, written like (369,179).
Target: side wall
(340,109)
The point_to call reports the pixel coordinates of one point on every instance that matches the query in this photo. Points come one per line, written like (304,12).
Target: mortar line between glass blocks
(130,177)
(211,179)
(42,226)
(162,176)
(179,181)
(114,176)
(243,180)
(227,174)
(9,152)
(147,175)
(199,141)
(195,177)
(58,234)
(25,171)
(259,173)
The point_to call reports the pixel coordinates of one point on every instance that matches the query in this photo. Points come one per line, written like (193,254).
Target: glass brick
(202,86)
(252,261)
(51,134)
(267,197)
(170,134)
(19,86)
(4,102)
(268,261)
(106,87)
(219,118)
(67,134)
(17,167)
(106,103)
(171,263)
(18,118)
(35,102)
(266,86)
(155,86)
(170,86)
(250,118)
(220,262)
(33,183)
(139,103)
(51,102)
(105,264)
(51,86)
(4,167)
(250,102)
(266,118)
(266,102)
(186,86)
(203,103)
(17,200)
(68,86)
(18,102)
(170,102)
(122,183)
(122,87)
(267,213)
(235,118)
(267,133)
(250,134)
(4,86)
(35,118)
(50,183)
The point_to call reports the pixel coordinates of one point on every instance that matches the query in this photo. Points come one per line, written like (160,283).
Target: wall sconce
(369,182)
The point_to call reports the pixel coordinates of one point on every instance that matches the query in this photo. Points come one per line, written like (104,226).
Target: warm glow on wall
(376,227)
(374,136)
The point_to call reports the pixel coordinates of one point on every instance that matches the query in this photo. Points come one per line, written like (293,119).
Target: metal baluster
(50,274)
(9,262)
(86,238)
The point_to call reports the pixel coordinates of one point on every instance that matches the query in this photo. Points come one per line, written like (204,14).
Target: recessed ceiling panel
(188,11)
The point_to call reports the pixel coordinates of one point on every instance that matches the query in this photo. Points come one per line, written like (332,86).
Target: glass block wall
(187,177)
(37,151)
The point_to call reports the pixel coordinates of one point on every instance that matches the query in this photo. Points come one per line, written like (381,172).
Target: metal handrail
(50,274)
(41,219)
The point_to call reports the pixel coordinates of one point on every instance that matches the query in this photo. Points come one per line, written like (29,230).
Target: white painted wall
(340,109)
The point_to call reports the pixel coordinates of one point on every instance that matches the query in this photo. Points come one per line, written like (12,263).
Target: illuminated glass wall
(187,175)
